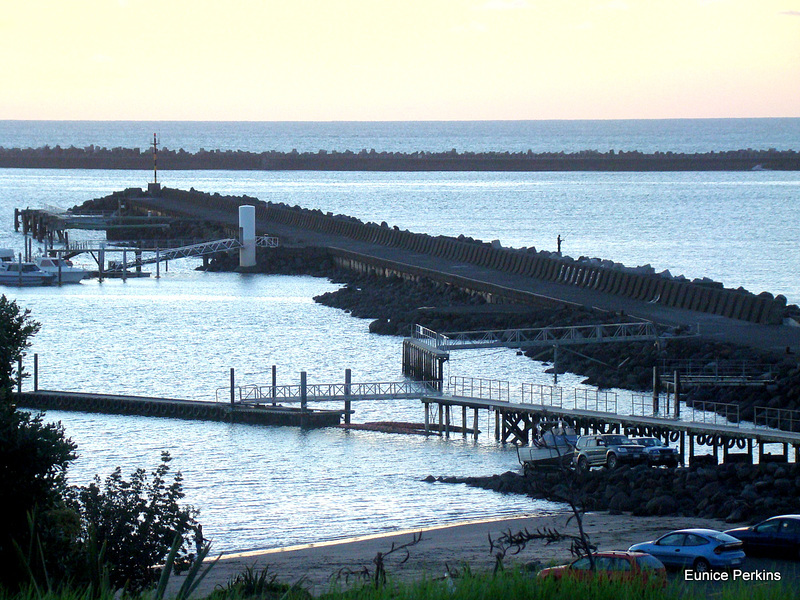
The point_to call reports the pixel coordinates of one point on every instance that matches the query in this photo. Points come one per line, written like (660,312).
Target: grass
(512,584)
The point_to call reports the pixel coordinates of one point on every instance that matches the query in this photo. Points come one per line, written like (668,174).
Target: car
(612,565)
(605,449)
(698,549)
(777,536)
(657,452)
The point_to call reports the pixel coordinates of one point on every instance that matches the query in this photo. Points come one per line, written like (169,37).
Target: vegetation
(98,539)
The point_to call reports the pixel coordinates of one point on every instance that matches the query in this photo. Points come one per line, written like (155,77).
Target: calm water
(180,334)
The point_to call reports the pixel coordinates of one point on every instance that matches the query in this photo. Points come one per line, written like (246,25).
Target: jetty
(657,308)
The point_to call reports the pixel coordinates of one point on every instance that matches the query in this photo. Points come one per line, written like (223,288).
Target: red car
(614,566)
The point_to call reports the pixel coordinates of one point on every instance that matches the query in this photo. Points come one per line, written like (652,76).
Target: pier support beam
(347,382)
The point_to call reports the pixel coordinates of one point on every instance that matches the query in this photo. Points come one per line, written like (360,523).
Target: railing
(717,413)
(596,400)
(718,371)
(776,418)
(546,336)
(328,392)
(485,389)
(545,395)
(429,336)
(641,405)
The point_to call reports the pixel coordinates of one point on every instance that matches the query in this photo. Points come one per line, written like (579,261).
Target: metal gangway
(639,331)
(719,372)
(193,250)
(328,392)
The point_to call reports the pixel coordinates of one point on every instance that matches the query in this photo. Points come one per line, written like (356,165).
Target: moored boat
(553,447)
(68,272)
(23,273)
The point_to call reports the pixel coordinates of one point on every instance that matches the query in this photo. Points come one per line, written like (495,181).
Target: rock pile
(733,492)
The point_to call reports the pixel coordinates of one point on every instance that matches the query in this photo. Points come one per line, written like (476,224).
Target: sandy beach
(450,545)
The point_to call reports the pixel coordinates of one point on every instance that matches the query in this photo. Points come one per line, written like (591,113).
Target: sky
(387,60)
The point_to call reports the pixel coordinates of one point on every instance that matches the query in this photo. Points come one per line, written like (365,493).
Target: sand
(448,545)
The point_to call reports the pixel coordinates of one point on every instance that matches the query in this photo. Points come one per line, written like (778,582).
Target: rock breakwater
(733,492)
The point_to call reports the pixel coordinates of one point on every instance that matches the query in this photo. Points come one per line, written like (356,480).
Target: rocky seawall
(93,157)
(733,492)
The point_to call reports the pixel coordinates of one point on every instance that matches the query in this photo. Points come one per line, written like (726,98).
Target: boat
(7,255)
(552,447)
(69,272)
(23,273)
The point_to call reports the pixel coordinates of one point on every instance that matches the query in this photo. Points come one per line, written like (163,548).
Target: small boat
(53,264)
(23,273)
(553,447)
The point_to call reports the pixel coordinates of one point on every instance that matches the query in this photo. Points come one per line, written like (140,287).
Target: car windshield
(648,442)
(616,440)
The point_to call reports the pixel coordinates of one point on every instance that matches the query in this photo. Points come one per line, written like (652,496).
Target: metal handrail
(776,418)
(596,400)
(712,412)
(475,387)
(545,336)
(545,395)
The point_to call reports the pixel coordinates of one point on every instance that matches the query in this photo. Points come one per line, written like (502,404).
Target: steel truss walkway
(640,331)
(164,254)
(332,392)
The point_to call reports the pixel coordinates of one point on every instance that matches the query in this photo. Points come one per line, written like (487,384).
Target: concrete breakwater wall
(637,283)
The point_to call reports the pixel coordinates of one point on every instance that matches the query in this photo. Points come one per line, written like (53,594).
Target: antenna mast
(155,159)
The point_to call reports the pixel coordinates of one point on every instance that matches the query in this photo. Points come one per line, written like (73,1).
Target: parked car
(605,449)
(777,536)
(698,549)
(613,565)
(657,452)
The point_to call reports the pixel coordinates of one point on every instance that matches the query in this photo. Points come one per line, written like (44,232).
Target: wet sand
(449,545)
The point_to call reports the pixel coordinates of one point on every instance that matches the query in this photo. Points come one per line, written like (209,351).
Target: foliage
(34,457)
(16,329)
(252,583)
(136,521)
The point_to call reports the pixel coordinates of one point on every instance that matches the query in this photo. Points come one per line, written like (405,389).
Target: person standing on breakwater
(559,239)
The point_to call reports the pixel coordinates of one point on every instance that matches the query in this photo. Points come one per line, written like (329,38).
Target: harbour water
(178,335)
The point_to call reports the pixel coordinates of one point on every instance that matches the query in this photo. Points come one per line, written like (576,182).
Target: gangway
(193,250)
(332,392)
(639,331)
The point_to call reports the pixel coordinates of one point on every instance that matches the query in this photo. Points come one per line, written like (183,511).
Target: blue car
(698,549)
(779,536)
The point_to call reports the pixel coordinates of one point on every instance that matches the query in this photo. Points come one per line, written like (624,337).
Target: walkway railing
(776,418)
(329,392)
(544,395)
(545,336)
(473,387)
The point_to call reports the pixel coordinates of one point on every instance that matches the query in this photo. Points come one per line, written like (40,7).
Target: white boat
(23,273)
(53,264)
(553,447)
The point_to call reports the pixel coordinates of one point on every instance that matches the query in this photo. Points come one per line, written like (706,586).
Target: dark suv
(606,449)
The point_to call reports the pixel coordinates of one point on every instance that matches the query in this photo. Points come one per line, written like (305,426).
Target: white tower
(247,236)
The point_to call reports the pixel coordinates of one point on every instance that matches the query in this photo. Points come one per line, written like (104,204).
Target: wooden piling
(347,383)
(233,388)
(303,391)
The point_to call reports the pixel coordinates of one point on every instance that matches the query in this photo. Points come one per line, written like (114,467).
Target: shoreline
(442,547)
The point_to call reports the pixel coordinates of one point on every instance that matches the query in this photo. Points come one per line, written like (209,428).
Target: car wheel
(583,464)
(701,565)
(611,461)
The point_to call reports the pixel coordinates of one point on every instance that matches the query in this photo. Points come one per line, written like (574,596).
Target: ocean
(178,335)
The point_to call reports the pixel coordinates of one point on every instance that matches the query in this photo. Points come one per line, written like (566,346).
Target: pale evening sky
(286,60)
